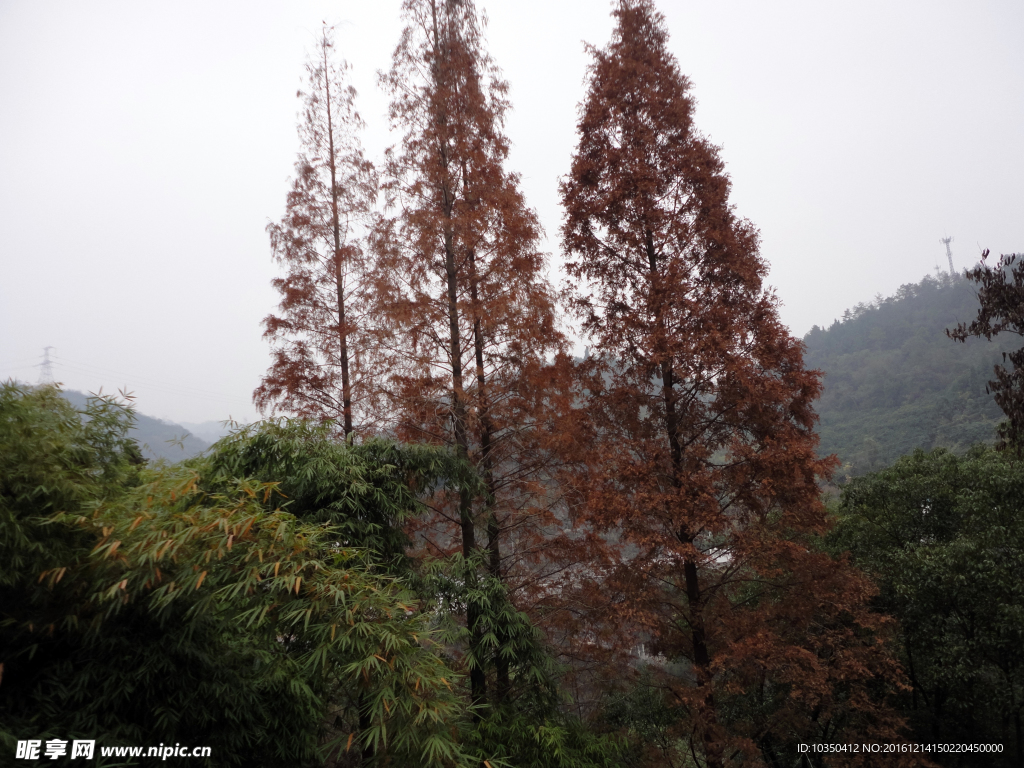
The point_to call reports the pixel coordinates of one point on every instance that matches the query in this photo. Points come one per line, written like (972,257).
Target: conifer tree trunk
(486,432)
(477,676)
(459,274)
(346,384)
(691,578)
(321,327)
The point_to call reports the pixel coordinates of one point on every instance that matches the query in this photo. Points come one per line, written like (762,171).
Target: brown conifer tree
(321,369)
(696,430)
(463,294)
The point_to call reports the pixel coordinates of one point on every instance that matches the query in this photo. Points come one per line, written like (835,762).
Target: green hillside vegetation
(894,381)
(942,537)
(157,439)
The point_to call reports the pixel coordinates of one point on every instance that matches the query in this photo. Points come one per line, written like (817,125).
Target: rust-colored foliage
(321,367)
(463,297)
(694,440)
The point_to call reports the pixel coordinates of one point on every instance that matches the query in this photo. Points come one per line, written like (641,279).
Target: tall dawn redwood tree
(321,369)
(461,289)
(696,430)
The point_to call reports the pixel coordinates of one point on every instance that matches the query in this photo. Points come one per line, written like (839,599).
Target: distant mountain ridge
(210,431)
(157,439)
(895,382)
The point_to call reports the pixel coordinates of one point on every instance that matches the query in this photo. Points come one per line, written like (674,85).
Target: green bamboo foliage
(176,604)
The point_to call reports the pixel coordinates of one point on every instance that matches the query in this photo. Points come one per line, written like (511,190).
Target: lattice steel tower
(949,254)
(46,367)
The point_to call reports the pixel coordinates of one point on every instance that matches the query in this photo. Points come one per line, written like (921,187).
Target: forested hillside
(895,382)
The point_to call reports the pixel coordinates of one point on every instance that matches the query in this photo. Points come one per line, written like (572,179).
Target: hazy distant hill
(894,381)
(158,439)
(210,431)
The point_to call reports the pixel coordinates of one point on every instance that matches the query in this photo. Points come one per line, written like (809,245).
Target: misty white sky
(144,147)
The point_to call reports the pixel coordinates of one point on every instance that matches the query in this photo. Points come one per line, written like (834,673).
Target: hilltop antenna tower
(949,254)
(46,367)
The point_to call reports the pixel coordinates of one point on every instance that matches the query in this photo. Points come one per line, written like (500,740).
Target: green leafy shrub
(181,605)
(943,538)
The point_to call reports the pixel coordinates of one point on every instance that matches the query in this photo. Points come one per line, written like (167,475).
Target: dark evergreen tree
(943,538)
(1001,295)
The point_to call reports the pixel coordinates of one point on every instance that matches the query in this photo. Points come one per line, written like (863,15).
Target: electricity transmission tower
(949,254)
(46,367)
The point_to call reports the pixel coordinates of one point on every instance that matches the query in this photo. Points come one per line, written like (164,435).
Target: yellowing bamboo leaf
(201,577)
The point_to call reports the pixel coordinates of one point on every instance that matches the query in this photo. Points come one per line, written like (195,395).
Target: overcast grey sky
(144,147)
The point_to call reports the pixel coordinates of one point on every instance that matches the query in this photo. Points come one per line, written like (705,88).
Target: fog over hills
(210,431)
(160,439)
